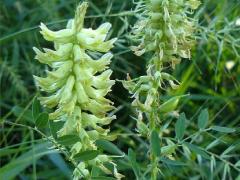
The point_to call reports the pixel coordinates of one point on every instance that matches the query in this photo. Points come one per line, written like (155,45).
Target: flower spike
(77,85)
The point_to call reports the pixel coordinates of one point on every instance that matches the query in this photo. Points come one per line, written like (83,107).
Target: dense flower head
(165,29)
(77,84)
(165,32)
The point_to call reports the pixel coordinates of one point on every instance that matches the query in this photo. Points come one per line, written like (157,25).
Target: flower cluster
(77,85)
(165,31)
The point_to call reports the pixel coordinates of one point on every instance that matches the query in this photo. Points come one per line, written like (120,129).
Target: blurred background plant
(210,145)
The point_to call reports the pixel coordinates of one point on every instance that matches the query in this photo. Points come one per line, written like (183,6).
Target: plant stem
(153,158)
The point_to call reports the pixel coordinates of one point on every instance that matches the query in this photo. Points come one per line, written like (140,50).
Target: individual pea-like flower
(77,85)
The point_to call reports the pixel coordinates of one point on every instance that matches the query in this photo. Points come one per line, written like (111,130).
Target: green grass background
(25,154)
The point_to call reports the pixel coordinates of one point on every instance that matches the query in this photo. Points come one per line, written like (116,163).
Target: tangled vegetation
(145,89)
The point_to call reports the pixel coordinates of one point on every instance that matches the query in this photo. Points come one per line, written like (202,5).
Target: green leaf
(229,149)
(36,109)
(109,147)
(86,155)
(155,143)
(203,119)
(55,127)
(16,166)
(213,144)
(180,126)
(96,171)
(226,171)
(169,105)
(6,151)
(197,150)
(62,165)
(169,149)
(238,178)
(237,164)
(27,115)
(42,120)
(133,162)
(123,165)
(102,178)
(223,129)
(68,140)
(172,162)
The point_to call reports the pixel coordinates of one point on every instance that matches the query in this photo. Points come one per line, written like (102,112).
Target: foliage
(199,139)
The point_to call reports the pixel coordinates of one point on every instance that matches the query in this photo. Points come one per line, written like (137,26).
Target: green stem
(153,158)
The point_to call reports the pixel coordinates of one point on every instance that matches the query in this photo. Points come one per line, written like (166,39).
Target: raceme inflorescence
(77,84)
(165,33)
